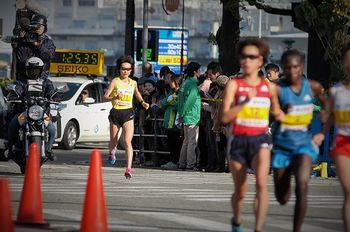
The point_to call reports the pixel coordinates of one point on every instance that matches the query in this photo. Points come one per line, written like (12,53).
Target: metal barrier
(141,136)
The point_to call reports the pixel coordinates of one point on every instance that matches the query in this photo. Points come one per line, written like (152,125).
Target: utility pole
(129,28)
(144,34)
(182,37)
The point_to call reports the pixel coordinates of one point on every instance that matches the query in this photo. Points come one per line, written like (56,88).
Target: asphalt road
(157,200)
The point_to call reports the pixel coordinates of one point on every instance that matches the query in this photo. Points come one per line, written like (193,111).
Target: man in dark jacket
(34,69)
(43,48)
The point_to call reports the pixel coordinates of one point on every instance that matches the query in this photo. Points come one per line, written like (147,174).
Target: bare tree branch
(269,9)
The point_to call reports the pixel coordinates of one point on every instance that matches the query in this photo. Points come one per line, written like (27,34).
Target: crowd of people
(213,121)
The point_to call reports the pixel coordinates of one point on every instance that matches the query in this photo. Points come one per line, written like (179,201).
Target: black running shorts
(244,148)
(119,117)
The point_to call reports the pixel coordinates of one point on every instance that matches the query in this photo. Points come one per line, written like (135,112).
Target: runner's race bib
(255,112)
(298,117)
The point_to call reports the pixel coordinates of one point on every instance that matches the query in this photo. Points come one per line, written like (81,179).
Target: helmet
(39,20)
(34,68)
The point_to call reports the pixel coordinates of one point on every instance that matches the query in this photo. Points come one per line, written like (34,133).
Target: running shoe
(236,228)
(128,173)
(112,159)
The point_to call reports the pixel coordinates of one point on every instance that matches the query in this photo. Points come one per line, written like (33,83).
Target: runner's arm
(275,105)
(229,109)
(318,92)
(108,92)
(318,138)
(139,97)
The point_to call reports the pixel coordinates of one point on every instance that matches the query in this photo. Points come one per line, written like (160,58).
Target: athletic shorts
(290,143)
(119,117)
(243,147)
(342,146)
(282,157)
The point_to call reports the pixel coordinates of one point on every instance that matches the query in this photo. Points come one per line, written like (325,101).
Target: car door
(103,108)
(93,115)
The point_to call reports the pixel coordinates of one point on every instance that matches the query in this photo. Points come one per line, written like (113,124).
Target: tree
(227,37)
(326,21)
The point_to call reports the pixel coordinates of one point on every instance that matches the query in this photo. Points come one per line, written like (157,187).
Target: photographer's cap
(38,19)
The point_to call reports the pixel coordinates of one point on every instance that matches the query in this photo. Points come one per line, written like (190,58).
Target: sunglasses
(126,69)
(84,93)
(249,56)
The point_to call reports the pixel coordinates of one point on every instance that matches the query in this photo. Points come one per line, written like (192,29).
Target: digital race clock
(86,62)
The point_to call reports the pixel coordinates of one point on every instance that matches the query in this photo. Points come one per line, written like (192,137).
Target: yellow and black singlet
(126,92)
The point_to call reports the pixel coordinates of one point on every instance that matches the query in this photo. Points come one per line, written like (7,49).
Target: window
(79,24)
(67,2)
(90,92)
(86,2)
(72,89)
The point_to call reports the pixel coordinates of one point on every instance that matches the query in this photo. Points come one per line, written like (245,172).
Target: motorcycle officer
(43,48)
(34,71)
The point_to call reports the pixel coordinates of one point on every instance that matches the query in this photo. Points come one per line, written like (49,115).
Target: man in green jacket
(189,109)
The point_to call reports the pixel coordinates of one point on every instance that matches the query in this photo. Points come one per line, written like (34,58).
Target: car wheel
(70,136)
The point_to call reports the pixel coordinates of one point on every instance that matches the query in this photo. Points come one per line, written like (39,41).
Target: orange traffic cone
(31,210)
(95,211)
(6,223)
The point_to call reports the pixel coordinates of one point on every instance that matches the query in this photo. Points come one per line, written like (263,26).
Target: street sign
(170,47)
(167,50)
(67,61)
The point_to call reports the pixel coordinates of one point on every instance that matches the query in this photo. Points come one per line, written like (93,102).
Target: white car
(82,120)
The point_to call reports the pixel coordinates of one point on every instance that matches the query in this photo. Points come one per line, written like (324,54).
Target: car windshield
(71,89)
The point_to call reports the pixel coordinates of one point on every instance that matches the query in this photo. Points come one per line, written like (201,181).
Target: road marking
(113,222)
(185,220)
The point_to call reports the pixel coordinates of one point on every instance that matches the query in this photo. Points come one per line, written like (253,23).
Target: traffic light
(152,47)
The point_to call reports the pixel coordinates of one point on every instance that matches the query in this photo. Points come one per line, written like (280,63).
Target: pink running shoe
(128,173)
(112,159)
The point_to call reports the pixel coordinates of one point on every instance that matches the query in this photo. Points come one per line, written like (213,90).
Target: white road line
(287,225)
(113,223)
(185,220)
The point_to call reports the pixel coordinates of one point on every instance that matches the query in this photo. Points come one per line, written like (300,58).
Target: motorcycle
(33,121)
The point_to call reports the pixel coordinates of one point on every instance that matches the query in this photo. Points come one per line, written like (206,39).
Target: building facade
(100,24)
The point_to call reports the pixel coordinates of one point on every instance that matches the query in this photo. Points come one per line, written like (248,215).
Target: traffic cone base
(6,223)
(42,225)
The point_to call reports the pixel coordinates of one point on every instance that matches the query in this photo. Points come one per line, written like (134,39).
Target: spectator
(189,105)
(219,129)
(272,72)
(152,97)
(147,69)
(204,86)
(205,116)
(213,71)
(169,105)
(164,71)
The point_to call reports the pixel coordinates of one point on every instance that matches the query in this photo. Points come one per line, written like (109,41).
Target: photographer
(34,42)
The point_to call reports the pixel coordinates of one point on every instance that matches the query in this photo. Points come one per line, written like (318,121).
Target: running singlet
(341,108)
(126,90)
(253,119)
(299,106)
